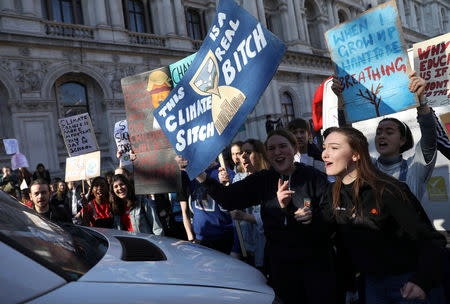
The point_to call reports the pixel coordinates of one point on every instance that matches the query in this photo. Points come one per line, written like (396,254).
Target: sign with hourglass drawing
(230,72)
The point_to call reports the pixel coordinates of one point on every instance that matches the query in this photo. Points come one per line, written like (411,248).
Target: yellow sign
(437,189)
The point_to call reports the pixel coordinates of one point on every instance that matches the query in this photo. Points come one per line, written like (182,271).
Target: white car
(43,262)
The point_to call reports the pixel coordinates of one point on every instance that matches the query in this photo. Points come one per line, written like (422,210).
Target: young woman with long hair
(96,210)
(130,213)
(393,137)
(298,251)
(379,223)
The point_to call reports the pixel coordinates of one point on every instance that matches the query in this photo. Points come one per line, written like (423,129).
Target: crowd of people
(321,222)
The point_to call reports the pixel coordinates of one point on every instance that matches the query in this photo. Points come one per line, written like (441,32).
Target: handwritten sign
(78,134)
(222,86)
(370,58)
(11,145)
(432,62)
(178,69)
(83,166)
(19,160)
(122,138)
(155,169)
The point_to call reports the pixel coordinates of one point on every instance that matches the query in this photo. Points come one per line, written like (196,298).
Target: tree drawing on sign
(372,97)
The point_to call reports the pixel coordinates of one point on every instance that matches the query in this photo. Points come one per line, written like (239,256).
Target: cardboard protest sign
(222,86)
(11,145)
(155,169)
(78,134)
(370,59)
(432,63)
(19,160)
(122,138)
(445,118)
(83,166)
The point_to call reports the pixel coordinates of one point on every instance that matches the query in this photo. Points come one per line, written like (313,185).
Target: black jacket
(291,240)
(395,238)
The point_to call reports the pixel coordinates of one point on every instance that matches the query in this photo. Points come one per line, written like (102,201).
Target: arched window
(287,108)
(66,11)
(137,16)
(312,14)
(195,24)
(73,98)
(342,16)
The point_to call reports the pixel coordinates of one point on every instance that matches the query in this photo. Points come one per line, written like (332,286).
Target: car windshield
(66,249)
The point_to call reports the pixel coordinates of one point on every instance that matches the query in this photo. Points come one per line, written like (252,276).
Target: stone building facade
(60,57)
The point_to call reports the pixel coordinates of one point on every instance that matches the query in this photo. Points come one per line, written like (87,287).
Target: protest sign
(178,69)
(370,59)
(231,70)
(19,160)
(155,169)
(11,145)
(83,166)
(432,63)
(445,118)
(78,134)
(122,138)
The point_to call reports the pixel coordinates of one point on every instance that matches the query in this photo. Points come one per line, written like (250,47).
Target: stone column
(299,17)
(334,20)
(180,18)
(168,17)
(413,18)
(116,10)
(250,6)
(289,13)
(100,13)
(209,15)
(261,12)
(28,7)
(401,11)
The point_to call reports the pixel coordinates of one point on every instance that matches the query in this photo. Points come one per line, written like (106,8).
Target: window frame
(76,11)
(201,23)
(59,95)
(286,117)
(148,23)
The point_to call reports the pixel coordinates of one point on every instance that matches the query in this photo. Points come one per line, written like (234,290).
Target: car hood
(185,264)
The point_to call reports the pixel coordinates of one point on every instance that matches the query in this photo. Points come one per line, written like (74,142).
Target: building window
(137,16)
(66,11)
(342,16)
(287,108)
(313,23)
(195,24)
(73,98)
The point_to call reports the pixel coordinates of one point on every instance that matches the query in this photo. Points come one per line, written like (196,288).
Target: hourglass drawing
(226,100)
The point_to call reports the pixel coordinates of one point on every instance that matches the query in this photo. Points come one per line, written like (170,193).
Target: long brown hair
(118,204)
(260,153)
(367,172)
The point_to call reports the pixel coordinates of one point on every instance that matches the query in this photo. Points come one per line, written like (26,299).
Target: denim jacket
(143,222)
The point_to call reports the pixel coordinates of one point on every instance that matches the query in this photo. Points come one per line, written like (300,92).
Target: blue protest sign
(371,61)
(221,87)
